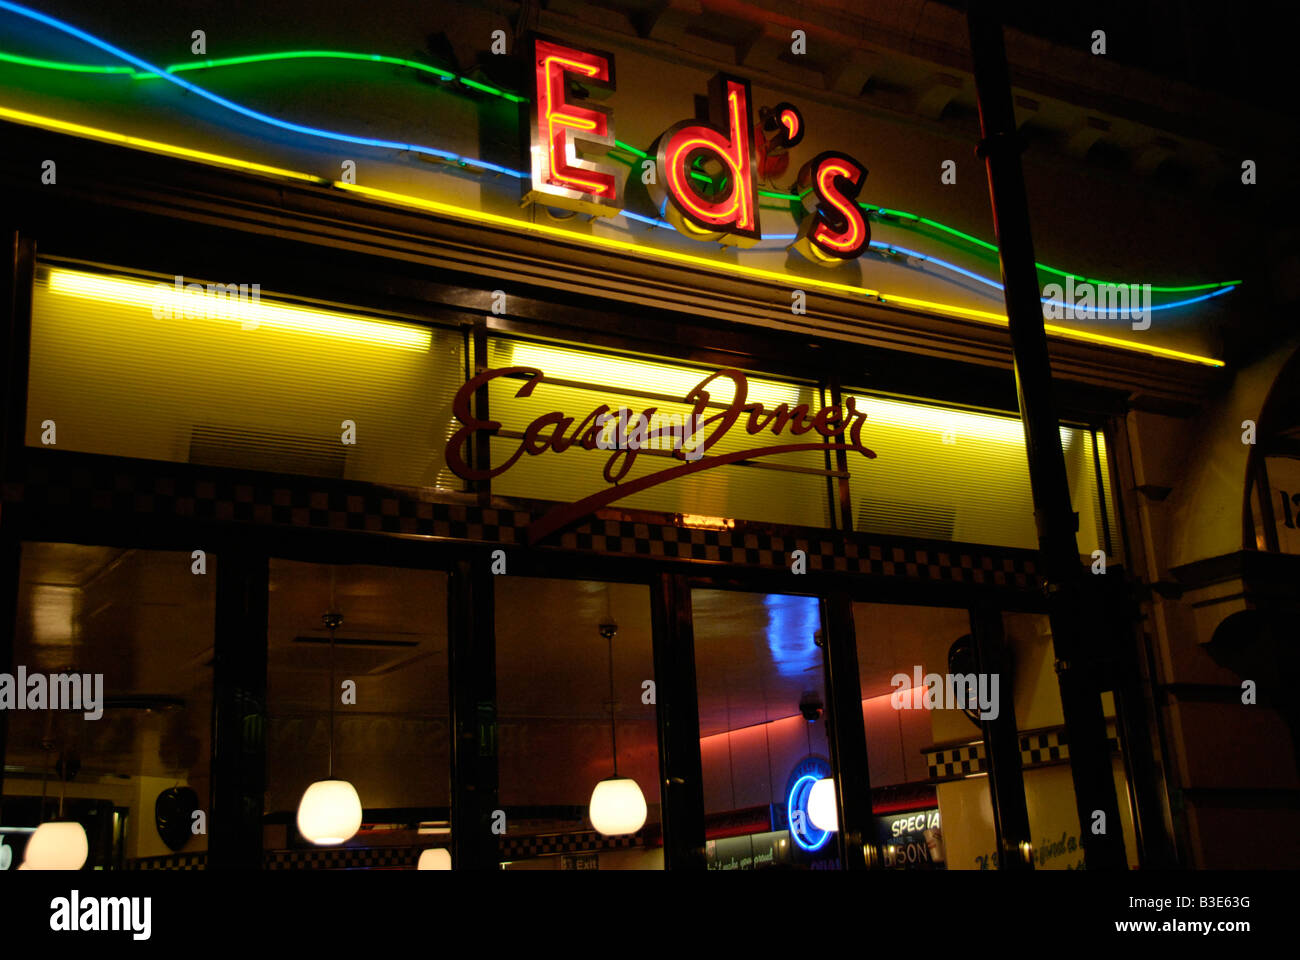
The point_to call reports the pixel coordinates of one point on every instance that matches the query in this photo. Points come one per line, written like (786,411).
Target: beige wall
(1203,461)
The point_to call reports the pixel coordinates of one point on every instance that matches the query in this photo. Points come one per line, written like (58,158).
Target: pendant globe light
(330,810)
(617,805)
(57,844)
(435,858)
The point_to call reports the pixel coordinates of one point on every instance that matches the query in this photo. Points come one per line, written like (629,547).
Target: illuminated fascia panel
(834,227)
(948,424)
(195,301)
(560,129)
(727,139)
(615,373)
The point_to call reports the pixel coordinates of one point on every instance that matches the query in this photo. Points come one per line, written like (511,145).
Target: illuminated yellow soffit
(610,243)
(165,301)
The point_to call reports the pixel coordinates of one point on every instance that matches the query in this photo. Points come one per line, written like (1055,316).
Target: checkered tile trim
(1038,748)
(1042,748)
(175,861)
(401,858)
(751,545)
(524,848)
(955,763)
(97,485)
(343,858)
(80,483)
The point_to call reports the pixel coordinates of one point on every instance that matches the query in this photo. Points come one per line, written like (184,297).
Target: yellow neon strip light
(152,146)
(164,300)
(625,246)
(610,243)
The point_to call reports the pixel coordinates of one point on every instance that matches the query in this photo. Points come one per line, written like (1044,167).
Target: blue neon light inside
(813,839)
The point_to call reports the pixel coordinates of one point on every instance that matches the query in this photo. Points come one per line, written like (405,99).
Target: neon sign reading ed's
(564,128)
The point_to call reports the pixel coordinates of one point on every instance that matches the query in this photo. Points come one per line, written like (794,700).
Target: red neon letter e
(557,127)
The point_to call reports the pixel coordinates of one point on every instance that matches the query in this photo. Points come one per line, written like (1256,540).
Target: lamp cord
(47,745)
(332,619)
(331,775)
(613,735)
(45,777)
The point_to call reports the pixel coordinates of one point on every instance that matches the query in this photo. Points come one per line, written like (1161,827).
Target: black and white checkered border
(344,858)
(956,763)
(825,551)
(1038,748)
(542,845)
(1043,748)
(84,484)
(1046,747)
(173,861)
(402,857)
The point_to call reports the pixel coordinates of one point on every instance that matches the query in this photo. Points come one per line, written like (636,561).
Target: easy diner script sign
(626,434)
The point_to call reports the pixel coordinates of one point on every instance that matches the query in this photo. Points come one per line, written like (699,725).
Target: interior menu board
(912,840)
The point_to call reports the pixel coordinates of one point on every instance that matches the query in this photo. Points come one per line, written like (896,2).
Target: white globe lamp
(329,813)
(617,807)
(435,858)
(821,805)
(57,845)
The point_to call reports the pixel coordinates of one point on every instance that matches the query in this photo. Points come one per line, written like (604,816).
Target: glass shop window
(386,733)
(133,365)
(789,488)
(577,739)
(1044,751)
(962,475)
(928,775)
(113,739)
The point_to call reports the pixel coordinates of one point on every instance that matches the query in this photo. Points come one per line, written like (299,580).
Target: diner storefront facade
(308,461)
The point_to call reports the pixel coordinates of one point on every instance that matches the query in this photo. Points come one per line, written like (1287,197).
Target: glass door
(763,742)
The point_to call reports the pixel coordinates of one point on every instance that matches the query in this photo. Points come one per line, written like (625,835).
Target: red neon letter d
(706,186)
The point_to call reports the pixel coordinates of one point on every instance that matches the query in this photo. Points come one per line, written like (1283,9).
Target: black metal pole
(1002,743)
(1071,605)
(474,783)
(846,735)
(238,789)
(681,776)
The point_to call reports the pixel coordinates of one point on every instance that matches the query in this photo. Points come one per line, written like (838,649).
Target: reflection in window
(554,642)
(763,742)
(391,709)
(1049,787)
(932,812)
(141,623)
